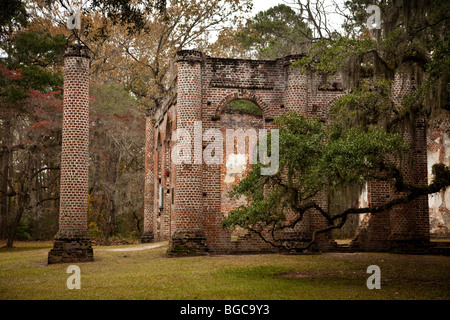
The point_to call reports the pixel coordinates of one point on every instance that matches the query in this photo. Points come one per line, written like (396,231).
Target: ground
(145,272)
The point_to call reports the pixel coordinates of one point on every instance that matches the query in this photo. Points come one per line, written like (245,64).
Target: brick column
(410,224)
(297,97)
(374,229)
(296,88)
(405,226)
(149,184)
(188,236)
(72,242)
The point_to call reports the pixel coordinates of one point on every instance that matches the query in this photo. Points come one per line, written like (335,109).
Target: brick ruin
(186,203)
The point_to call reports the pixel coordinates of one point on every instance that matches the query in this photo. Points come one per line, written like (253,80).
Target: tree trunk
(107,231)
(138,223)
(4,198)
(34,202)
(15,225)
(23,198)
(4,183)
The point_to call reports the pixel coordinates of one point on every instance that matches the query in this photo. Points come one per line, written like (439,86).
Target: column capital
(190,56)
(77,51)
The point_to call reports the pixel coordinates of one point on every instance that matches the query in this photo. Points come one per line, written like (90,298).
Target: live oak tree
(317,158)
(412,41)
(361,141)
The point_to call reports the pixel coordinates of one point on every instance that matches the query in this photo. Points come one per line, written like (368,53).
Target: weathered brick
(72,242)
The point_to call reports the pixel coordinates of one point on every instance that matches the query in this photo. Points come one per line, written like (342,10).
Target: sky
(335,20)
(261,5)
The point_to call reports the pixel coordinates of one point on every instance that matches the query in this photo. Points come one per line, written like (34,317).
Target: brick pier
(72,242)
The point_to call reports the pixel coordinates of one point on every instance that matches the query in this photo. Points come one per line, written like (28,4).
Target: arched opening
(166,182)
(159,199)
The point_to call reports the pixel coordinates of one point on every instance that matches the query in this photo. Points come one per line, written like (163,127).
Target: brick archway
(244,95)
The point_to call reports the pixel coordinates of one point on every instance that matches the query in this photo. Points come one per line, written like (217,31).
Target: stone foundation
(71,250)
(187,243)
(147,237)
(324,243)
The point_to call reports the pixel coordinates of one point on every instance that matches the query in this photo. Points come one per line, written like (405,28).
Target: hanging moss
(413,42)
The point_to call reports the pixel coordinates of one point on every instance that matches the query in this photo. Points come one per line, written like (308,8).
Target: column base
(71,250)
(187,243)
(147,237)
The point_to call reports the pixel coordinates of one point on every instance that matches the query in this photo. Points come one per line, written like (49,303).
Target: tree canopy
(275,33)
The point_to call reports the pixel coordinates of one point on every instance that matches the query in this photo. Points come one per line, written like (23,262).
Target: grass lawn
(149,274)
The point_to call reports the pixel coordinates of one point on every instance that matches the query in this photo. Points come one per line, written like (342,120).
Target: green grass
(149,274)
